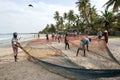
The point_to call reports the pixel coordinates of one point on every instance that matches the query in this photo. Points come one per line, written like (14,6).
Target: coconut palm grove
(88,20)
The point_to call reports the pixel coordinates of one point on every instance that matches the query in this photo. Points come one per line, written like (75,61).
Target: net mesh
(55,61)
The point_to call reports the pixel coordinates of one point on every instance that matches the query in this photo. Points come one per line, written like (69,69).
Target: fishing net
(55,61)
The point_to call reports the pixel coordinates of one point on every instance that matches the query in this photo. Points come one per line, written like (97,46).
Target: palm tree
(45,30)
(93,16)
(108,19)
(80,23)
(114,3)
(83,7)
(118,21)
(57,18)
(61,21)
(65,15)
(52,28)
(71,18)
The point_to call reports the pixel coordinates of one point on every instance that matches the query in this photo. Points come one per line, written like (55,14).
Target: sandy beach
(53,52)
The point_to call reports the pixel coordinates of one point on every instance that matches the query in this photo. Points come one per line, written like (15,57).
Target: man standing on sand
(15,45)
(38,35)
(100,34)
(84,42)
(47,37)
(106,36)
(59,38)
(66,42)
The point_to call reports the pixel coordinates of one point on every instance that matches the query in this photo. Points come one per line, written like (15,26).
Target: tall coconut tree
(83,6)
(114,3)
(65,15)
(61,25)
(45,30)
(57,18)
(108,19)
(118,21)
(79,22)
(93,16)
(52,28)
(71,18)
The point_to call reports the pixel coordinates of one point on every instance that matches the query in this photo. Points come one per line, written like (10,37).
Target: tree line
(88,19)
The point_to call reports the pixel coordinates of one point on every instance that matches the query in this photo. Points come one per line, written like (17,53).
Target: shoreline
(22,40)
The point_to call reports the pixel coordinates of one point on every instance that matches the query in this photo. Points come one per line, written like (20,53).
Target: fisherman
(84,42)
(53,36)
(100,34)
(38,35)
(59,38)
(15,45)
(105,36)
(47,37)
(66,41)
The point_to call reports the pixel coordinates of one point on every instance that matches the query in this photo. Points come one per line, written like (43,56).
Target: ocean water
(5,39)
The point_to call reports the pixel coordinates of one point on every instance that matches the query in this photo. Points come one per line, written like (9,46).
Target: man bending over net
(84,43)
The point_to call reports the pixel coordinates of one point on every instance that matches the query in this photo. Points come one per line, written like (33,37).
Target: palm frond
(116,6)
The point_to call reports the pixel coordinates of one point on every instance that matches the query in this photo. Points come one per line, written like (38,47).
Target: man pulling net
(84,43)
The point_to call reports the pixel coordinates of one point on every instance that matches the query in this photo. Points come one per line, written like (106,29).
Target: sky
(17,16)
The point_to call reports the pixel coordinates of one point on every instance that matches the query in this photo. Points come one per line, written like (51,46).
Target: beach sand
(55,53)
(23,69)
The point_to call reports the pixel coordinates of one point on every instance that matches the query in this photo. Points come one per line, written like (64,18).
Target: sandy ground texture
(23,69)
(114,46)
(54,52)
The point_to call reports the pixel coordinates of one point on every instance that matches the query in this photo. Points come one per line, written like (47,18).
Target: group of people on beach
(54,36)
(84,41)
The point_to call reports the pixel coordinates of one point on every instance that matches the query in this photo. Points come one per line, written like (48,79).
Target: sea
(5,39)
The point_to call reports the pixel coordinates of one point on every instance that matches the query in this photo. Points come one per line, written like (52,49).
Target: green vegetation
(114,36)
(88,19)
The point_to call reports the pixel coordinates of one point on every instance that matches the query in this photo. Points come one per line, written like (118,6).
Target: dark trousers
(106,40)
(83,48)
(67,45)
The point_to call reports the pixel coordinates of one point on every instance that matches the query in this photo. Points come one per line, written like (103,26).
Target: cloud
(16,15)
(22,18)
(99,4)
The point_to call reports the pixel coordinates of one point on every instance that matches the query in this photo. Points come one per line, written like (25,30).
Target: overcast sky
(17,16)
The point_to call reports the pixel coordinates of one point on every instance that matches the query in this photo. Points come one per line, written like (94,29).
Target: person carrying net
(15,45)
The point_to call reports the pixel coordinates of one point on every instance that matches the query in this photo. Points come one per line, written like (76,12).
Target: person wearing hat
(15,44)
(106,36)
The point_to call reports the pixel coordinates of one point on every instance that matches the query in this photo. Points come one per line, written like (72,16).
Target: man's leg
(87,47)
(68,46)
(15,53)
(77,51)
(84,49)
(15,58)
(65,45)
